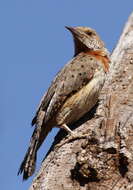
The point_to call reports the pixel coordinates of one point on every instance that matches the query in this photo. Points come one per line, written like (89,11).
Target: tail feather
(28,165)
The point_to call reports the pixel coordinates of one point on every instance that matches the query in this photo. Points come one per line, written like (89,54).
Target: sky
(34,45)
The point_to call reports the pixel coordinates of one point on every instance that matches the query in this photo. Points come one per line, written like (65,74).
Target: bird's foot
(72,136)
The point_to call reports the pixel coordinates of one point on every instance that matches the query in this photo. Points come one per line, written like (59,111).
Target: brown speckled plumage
(73,92)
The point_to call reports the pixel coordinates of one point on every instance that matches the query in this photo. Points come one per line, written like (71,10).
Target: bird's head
(86,39)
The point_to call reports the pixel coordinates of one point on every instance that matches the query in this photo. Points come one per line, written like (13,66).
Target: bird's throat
(99,55)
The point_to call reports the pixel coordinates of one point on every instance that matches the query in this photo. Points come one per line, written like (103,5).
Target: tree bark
(104,158)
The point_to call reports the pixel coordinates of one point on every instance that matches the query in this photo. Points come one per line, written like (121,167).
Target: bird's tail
(28,165)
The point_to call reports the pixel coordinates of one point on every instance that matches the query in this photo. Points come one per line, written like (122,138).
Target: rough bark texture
(104,159)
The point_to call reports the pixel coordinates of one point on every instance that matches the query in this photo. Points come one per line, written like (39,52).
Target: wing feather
(77,73)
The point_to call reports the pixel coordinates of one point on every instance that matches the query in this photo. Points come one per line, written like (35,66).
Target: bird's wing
(46,99)
(77,73)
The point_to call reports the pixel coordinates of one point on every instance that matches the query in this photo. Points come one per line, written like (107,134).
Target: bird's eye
(89,33)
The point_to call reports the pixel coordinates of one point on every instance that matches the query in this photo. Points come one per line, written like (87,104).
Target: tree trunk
(103,160)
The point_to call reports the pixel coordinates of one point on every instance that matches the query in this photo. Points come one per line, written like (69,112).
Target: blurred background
(34,45)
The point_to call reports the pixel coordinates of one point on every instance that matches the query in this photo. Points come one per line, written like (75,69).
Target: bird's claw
(73,136)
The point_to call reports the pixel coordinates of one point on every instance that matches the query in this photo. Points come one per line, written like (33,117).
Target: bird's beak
(73,30)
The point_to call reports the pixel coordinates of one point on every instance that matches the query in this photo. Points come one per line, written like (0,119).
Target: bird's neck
(100,56)
(79,47)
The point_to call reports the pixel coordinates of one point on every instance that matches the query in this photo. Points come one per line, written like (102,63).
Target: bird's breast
(82,101)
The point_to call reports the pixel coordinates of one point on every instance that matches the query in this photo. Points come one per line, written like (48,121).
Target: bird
(73,92)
